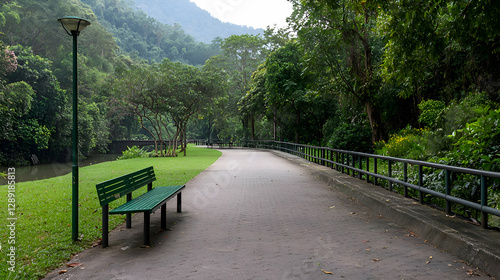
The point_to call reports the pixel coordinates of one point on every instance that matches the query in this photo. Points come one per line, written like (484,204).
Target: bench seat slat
(149,201)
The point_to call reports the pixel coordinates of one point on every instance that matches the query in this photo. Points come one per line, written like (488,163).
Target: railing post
(353,165)
(348,164)
(484,202)
(405,174)
(375,171)
(389,171)
(420,184)
(360,167)
(367,169)
(330,152)
(447,191)
(342,167)
(337,160)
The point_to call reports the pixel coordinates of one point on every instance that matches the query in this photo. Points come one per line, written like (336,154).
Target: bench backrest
(120,186)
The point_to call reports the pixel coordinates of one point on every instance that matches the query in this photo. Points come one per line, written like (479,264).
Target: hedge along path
(43,210)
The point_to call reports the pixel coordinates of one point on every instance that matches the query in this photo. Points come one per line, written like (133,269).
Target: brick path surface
(256,215)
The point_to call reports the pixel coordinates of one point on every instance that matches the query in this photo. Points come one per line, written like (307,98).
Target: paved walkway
(261,215)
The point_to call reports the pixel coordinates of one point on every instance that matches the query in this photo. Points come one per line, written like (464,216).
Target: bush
(408,143)
(477,145)
(351,137)
(135,152)
(431,109)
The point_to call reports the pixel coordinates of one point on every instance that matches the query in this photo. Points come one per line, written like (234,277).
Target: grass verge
(42,232)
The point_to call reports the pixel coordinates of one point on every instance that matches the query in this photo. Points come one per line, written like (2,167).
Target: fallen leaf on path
(471,272)
(411,234)
(427,262)
(97,243)
(326,272)
(368,250)
(73,264)
(63,271)
(475,222)
(376,260)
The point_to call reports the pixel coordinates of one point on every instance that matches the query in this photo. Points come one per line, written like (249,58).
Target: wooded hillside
(195,21)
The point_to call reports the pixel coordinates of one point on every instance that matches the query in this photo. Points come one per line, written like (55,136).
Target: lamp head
(73,25)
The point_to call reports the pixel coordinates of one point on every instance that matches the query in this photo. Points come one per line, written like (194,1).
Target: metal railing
(381,170)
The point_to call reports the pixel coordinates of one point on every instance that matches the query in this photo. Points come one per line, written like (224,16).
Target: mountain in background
(194,20)
(141,36)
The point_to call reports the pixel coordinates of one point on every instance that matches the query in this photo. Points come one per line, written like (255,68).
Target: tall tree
(137,90)
(192,89)
(286,85)
(241,55)
(339,36)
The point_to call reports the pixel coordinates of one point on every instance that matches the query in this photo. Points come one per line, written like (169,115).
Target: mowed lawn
(42,230)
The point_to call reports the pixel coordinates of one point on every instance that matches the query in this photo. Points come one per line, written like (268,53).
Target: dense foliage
(143,36)
(414,79)
(36,74)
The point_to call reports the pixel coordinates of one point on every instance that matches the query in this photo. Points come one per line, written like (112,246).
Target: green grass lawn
(43,210)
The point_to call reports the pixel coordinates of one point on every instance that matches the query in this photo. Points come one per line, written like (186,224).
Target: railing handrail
(483,206)
(488,174)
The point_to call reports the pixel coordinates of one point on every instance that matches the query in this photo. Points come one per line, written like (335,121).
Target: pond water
(45,171)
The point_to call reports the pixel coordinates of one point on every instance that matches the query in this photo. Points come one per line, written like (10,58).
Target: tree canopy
(347,74)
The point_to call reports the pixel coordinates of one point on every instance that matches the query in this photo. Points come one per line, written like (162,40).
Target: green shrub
(351,137)
(431,109)
(477,145)
(408,143)
(135,152)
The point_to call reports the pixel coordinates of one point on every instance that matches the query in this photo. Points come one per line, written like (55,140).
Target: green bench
(147,203)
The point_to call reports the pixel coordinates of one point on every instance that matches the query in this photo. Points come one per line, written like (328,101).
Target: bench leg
(129,220)
(179,202)
(129,215)
(164,216)
(105,228)
(147,221)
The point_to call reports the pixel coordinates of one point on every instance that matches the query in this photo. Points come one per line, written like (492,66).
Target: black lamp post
(73,26)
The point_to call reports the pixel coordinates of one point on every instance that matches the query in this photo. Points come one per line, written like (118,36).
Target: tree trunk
(185,138)
(375,122)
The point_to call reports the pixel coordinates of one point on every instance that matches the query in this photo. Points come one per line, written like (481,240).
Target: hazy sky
(254,13)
